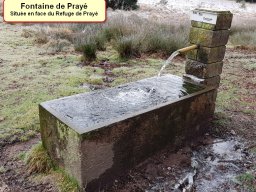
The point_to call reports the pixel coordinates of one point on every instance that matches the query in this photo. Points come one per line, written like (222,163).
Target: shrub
(60,33)
(120,25)
(85,44)
(89,51)
(100,41)
(112,33)
(128,46)
(129,35)
(41,37)
(27,33)
(55,46)
(122,4)
(151,37)
(45,34)
(164,39)
(243,35)
(244,38)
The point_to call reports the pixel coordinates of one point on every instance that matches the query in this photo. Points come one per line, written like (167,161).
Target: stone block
(207,55)
(209,82)
(224,20)
(208,38)
(100,135)
(202,70)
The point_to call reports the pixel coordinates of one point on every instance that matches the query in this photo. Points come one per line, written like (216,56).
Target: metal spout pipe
(186,49)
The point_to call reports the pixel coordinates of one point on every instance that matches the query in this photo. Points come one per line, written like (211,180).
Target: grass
(30,75)
(131,36)
(1,8)
(89,51)
(38,161)
(246,38)
(65,182)
(243,35)
(37,83)
(28,79)
(248,181)
(55,46)
(2,169)
(128,47)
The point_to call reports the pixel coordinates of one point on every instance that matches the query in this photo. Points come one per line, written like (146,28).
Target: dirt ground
(234,128)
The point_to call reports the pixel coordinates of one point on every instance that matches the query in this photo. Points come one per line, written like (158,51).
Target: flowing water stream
(168,61)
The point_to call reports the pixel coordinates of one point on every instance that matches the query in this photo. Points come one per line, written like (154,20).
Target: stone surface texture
(207,55)
(224,20)
(95,157)
(208,38)
(211,82)
(202,70)
(204,65)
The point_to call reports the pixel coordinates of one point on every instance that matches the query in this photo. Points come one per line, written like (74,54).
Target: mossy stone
(202,70)
(209,82)
(208,38)
(207,55)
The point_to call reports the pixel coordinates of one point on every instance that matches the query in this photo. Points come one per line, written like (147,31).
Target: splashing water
(168,61)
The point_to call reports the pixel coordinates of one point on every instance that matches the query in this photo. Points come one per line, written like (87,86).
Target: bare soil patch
(14,176)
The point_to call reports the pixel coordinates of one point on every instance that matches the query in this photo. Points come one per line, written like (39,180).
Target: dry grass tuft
(41,36)
(128,46)
(59,45)
(1,8)
(244,35)
(38,160)
(28,33)
(129,35)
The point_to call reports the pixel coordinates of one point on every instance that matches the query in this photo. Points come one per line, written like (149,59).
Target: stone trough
(96,137)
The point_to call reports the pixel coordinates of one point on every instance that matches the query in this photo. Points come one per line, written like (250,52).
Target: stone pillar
(210,30)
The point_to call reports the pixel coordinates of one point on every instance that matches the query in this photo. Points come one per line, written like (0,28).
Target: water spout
(189,48)
(174,54)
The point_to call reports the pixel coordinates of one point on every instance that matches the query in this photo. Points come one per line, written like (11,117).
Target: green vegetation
(31,75)
(253,151)
(2,169)
(33,80)
(127,47)
(89,51)
(248,180)
(1,7)
(130,36)
(38,161)
(244,36)
(65,182)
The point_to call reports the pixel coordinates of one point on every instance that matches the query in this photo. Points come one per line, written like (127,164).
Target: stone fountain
(96,137)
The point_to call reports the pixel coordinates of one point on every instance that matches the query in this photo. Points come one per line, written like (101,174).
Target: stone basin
(98,136)
(90,111)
